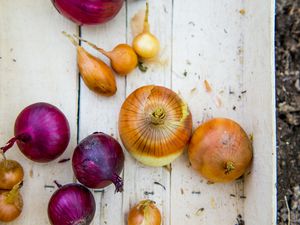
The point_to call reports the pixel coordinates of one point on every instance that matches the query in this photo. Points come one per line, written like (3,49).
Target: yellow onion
(11,204)
(145,44)
(155,125)
(123,58)
(11,173)
(144,213)
(97,76)
(220,150)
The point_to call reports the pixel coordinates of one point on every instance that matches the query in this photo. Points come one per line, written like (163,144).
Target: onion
(145,44)
(97,76)
(71,204)
(11,173)
(220,150)
(88,11)
(11,204)
(123,58)
(98,160)
(41,131)
(155,125)
(144,213)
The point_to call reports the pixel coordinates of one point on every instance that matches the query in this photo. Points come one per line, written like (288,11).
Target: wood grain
(226,44)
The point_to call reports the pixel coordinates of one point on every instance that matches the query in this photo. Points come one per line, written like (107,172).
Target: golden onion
(145,44)
(155,125)
(144,213)
(220,150)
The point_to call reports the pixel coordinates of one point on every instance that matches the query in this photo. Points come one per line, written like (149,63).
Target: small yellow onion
(144,213)
(11,173)
(145,44)
(97,76)
(11,204)
(155,125)
(220,150)
(123,58)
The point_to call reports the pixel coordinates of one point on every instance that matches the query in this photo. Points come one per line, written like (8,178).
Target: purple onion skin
(88,11)
(98,160)
(42,132)
(72,204)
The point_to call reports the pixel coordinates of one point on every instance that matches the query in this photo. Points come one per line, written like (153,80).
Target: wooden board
(227,43)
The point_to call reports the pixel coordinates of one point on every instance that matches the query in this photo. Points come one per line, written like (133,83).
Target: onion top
(155,125)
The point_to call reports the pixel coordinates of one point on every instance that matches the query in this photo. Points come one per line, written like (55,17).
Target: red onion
(41,131)
(88,11)
(98,160)
(71,204)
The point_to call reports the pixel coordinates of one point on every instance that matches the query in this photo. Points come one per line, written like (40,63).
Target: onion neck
(57,184)
(145,204)
(74,42)
(107,54)
(21,137)
(158,116)
(146,20)
(13,194)
(229,166)
(118,182)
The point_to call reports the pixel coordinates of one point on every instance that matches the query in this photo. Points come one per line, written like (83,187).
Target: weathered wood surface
(227,43)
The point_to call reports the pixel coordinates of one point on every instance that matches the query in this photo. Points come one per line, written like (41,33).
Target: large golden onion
(220,150)
(155,125)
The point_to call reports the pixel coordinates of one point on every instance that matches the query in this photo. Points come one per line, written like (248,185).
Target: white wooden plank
(98,113)
(139,179)
(36,64)
(260,186)
(207,45)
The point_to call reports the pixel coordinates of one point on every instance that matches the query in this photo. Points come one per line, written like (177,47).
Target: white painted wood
(139,179)
(206,40)
(207,45)
(259,72)
(37,64)
(98,113)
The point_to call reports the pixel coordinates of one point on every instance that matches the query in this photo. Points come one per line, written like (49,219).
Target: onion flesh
(71,204)
(98,160)
(88,11)
(42,132)
(220,150)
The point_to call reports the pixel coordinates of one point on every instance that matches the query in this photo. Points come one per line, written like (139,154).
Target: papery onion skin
(11,173)
(11,204)
(155,125)
(144,213)
(220,150)
(98,160)
(88,11)
(145,44)
(123,59)
(72,204)
(97,76)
